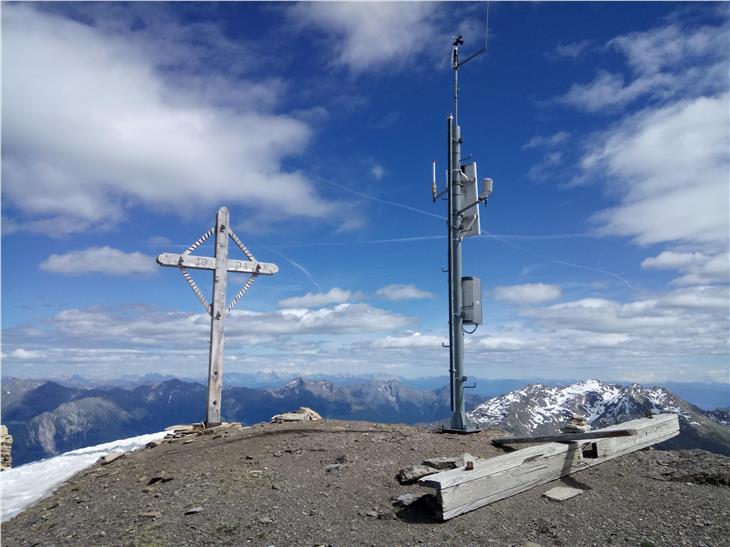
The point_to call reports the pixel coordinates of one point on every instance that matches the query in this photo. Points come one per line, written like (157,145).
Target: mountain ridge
(51,418)
(541,410)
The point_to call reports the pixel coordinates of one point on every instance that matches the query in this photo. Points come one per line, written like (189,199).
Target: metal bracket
(193,285)
(256,266)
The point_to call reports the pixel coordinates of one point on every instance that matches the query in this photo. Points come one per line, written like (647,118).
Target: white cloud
(129,135)
(609,90)
(402,292)
(666,47)
(667,165)
(693,319)
(673,165)
(666,62)
(412,340)
(24,354)
(147,327)
(700,298)
(539,141)
(370,35)
(697,268)
(605,340)
(571,50)
(671,260)
(315,299)
(542,168)
(715,270)
(103,260)
(377,171)
(528,293)
(503,343)
(159,241)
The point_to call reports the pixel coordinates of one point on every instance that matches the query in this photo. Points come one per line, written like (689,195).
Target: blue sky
(604,247)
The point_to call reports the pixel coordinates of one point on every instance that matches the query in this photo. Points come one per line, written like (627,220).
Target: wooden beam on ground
(493,479)
(566,437)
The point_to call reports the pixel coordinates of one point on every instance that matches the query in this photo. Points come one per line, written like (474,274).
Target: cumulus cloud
(667,163)
(539,141)
(697,268)
(689,320)
(528,293)
(149,327)
(666,62)
(503,343)
(134,132)
(699,298)
(104,260)
(410,340)
(571,50)
(24,354)
(377,171)
(670,260)
(542,168)
(673,166)
(402,292)
(609,90)
(715,270)
(315,299)
(364,32)
(159,241)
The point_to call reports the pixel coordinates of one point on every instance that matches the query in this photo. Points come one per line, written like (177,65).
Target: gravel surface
(332,483)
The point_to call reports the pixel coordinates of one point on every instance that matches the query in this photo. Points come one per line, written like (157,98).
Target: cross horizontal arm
(208,263)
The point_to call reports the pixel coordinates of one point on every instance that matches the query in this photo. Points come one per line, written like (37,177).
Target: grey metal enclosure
(471,291)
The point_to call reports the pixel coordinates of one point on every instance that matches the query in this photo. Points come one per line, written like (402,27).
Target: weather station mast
(465,293)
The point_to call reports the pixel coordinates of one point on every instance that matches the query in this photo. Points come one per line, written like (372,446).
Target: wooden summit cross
(221,264)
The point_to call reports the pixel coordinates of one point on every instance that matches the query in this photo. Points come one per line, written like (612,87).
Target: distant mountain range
(48,418)
(541,410)
(707,396)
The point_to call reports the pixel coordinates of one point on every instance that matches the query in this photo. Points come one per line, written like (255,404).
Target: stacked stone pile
(6,449)
(577,424)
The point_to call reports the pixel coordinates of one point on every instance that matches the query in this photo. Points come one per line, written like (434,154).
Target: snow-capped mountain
(540,410)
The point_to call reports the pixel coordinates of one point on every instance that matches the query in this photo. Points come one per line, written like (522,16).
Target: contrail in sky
(381,200)
(562,262)
(502,238)
(297,266)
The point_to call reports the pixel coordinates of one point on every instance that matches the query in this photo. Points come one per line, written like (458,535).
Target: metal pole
(218,310)
(459,420)
(450,223)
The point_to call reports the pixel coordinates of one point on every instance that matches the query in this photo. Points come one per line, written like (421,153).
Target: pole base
(466,431)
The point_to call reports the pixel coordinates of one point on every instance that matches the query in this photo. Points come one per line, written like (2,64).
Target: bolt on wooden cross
(221,264)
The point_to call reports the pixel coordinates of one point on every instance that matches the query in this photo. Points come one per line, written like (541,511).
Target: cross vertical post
(221,265)
(218,309)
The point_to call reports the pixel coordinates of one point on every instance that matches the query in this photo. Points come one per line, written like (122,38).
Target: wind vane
(221,265)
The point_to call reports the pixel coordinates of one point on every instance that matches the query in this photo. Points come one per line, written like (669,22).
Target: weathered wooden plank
(565,437)
(215,363)
(497,478)
(209,263)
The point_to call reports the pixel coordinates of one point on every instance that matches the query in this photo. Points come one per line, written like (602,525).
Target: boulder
(412,473)
(302,414)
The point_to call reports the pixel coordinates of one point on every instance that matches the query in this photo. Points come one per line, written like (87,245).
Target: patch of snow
(22,486)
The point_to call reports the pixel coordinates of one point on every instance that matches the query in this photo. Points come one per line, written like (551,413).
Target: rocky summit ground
(331,483)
